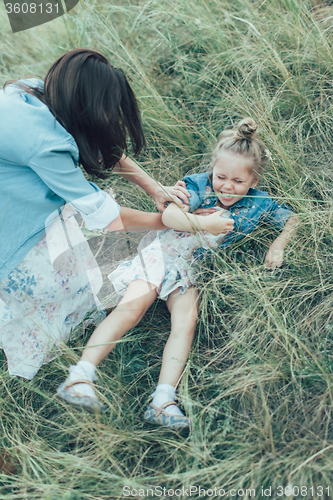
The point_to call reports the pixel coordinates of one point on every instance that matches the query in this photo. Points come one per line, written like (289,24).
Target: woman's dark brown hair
(95,103)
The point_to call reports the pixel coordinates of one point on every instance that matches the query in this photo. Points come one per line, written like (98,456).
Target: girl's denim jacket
(247,213)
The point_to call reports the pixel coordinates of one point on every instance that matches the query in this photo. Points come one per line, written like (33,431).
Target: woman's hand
(128,169)
(171,193)
(215,224)
(274,257)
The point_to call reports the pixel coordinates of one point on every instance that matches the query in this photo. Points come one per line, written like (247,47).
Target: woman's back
(37,172)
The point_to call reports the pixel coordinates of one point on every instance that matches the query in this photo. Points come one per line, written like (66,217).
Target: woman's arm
(128,169)
(274,257)
(179,219)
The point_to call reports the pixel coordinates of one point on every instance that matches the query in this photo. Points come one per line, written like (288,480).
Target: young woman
(82,113)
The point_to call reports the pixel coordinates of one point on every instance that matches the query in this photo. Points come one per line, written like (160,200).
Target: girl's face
(232,176)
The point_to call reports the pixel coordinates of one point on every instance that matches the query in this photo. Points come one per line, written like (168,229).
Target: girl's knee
(185,328)
(131,312)
(192,314)
(139,294)
(193,307)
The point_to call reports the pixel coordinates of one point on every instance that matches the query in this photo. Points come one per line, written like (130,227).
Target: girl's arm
(179,219)
(128,169)
(135,220)
(274,257)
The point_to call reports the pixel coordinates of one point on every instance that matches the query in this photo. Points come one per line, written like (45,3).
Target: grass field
(259,380)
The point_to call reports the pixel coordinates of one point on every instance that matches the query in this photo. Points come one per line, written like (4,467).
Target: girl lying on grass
(163,266)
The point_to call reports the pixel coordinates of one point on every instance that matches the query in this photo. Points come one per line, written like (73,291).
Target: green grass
(258,383)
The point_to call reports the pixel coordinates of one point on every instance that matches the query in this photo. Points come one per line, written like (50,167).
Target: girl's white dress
(165,259)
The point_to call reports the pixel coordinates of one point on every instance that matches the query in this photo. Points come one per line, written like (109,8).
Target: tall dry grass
(258,383)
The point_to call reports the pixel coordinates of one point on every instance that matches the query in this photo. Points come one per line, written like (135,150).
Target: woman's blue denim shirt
(247,213)
(39,173)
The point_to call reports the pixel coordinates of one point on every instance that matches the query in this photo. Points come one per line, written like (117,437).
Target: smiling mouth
(225,195)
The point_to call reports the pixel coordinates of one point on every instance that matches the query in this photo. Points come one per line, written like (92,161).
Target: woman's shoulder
(17,93)
(27,126)
(21,86)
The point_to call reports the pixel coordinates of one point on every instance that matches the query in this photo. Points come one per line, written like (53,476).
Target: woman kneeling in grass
(163,266)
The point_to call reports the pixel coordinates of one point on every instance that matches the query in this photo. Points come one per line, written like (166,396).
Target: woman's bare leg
(138,298)
(184,314)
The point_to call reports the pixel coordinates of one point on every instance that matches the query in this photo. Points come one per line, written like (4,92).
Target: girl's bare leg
(184,314)
(130,310)
(137,299)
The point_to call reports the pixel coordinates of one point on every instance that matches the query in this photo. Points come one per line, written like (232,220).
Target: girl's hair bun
(243,140)
(246,128)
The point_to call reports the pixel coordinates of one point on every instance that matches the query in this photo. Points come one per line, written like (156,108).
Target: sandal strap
(169,403)
(161,409)
(81,381)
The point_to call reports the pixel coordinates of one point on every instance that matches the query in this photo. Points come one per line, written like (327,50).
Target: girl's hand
(171,193)
(274,257)
(217,224)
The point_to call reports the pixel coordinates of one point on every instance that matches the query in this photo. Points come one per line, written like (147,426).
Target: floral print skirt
(46,296)
(165,260)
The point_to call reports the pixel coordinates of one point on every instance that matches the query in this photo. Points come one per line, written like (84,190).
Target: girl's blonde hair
(244,141)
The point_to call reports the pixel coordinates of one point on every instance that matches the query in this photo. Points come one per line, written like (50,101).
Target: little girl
(163,266)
